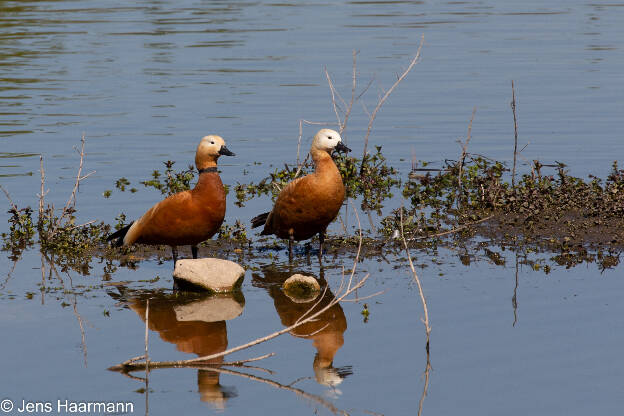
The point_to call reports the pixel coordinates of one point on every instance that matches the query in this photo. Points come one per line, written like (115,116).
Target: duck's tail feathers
(118,236)
(259,220)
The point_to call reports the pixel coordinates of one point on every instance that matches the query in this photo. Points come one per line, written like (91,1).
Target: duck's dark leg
(194,251)
(174,253)
(291,239)
(321,240)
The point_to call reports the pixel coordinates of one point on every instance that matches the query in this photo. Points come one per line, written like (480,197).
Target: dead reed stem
(513,109)
(425,388)
(147,360)
(514,299)
(72,198)
(353,87)
(383,99)
(13,206)
(147,336)
(420,289)
(462,159)
(42,192)
(334,94)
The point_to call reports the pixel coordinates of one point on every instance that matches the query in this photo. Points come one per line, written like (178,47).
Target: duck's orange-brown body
(186,218)
(307,205)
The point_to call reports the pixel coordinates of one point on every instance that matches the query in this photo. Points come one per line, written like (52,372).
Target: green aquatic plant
(372,183)
(171,182)
(365,313)
(21,230)
(551,212)
(167,183)
(236,232)
(373,186)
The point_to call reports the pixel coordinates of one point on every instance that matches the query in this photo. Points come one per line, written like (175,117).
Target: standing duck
(307,205)
(187,217)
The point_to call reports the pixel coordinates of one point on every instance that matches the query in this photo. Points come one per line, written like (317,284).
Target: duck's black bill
(342,148)
(224,151)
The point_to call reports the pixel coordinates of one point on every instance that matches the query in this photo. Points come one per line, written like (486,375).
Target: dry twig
(425,388)
(513,109)
(420,289)
(72,198)
(353,87)
(42,193)
(13,206)
(462,159)
(383,99)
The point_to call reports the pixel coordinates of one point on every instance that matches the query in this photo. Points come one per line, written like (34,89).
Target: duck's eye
(330,138)
(211,142)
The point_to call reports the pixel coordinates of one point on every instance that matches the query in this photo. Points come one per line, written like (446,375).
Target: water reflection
(195,324)
(326,331)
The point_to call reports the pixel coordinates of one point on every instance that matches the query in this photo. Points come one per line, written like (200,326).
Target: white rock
(215,275)
(213,309)
(300,288)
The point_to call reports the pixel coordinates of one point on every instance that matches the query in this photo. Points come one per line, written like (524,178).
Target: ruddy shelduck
(187,217)
(307,205)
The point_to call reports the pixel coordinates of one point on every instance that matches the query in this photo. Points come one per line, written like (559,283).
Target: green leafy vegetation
(555,212)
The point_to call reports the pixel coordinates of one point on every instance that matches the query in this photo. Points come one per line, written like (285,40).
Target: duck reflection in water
(326,331)
(194,323)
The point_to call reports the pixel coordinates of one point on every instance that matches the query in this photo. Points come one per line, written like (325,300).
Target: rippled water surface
(144,81)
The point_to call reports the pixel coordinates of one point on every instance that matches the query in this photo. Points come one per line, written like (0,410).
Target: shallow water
(144,82)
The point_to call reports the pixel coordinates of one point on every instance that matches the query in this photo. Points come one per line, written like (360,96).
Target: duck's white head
(328,140)
(209,149)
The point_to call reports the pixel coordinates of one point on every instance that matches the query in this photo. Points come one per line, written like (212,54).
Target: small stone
(221,307)
(215,275)
(300,288)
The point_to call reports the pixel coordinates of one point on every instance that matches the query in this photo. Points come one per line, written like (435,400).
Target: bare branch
(72,198)
(420,289)
(13,206)
(42,192)
(513,109)
(353,87)
(334,93)
(413,62)
(147,360)
(249,360)
(464,152)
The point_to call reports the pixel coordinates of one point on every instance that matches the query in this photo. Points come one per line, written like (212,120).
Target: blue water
(145,81)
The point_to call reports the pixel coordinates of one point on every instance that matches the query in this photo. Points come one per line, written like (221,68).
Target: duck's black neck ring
(206,170)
